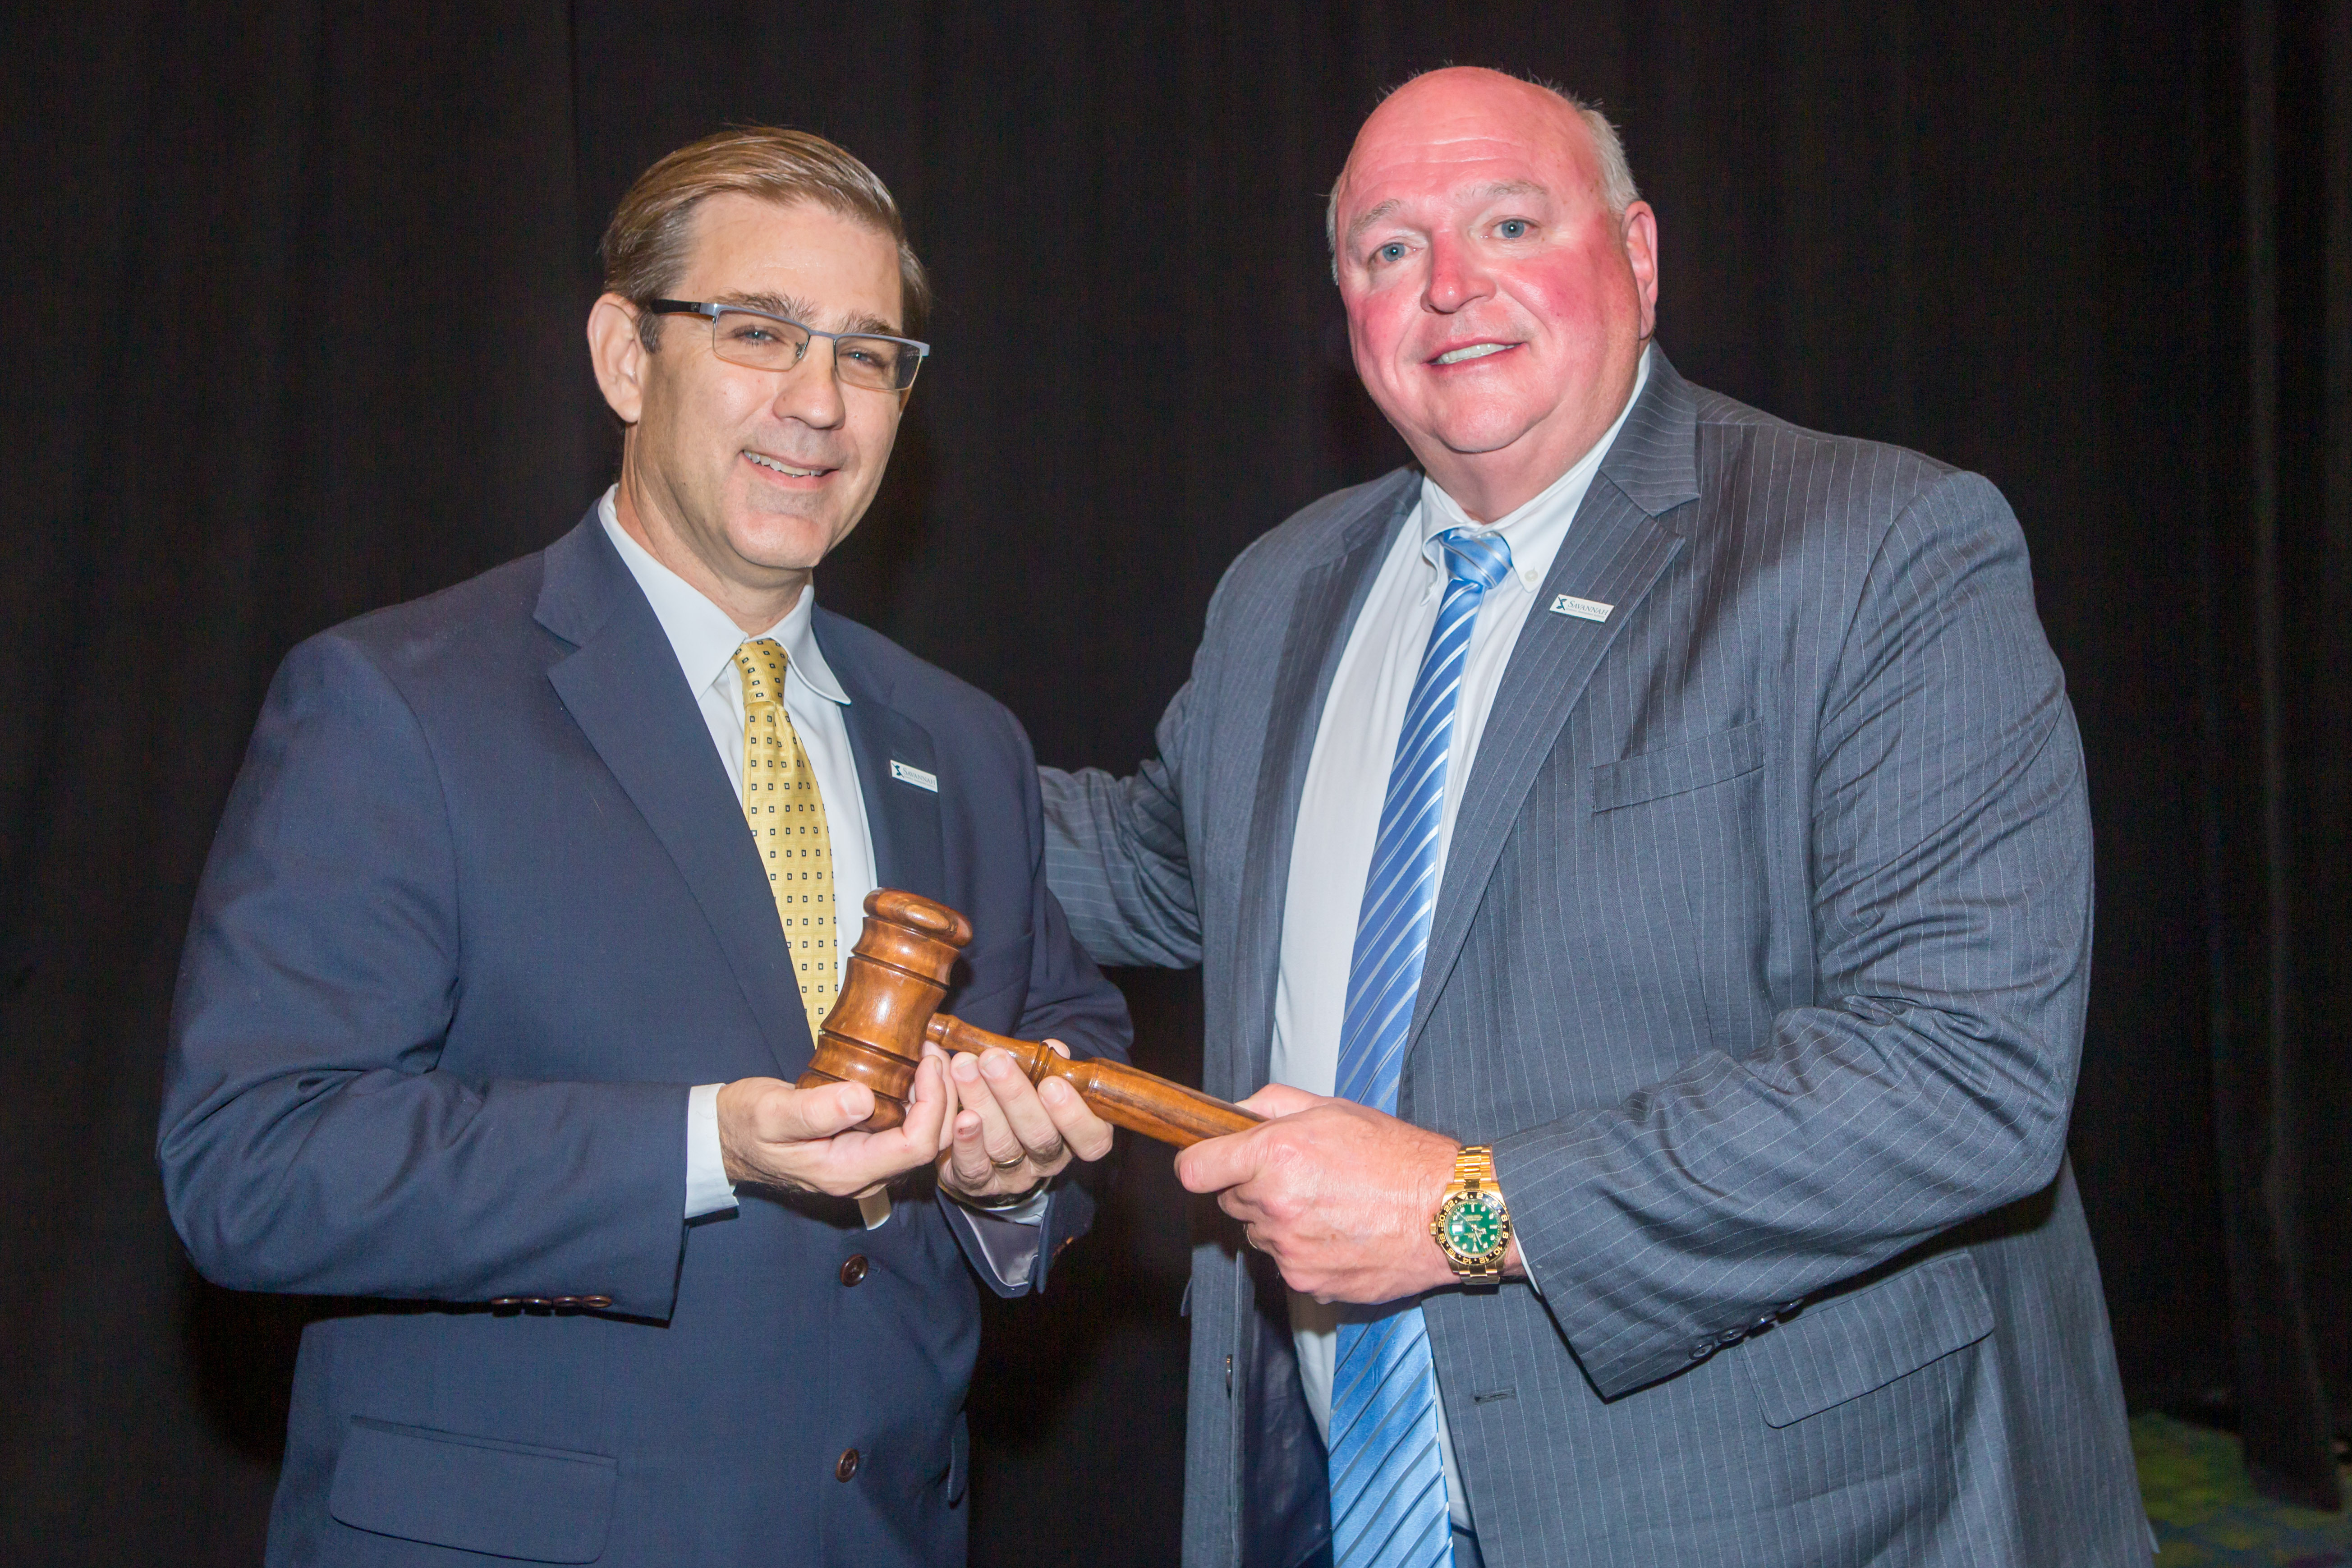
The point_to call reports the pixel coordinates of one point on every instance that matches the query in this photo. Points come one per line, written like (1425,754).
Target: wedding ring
(1019,1159)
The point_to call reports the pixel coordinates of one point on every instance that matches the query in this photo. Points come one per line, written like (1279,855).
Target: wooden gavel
(889,1006)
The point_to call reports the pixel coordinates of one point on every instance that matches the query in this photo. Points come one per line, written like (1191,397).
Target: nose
(809,392)
(1457,275)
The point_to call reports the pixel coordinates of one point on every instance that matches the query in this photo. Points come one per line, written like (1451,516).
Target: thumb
(807,1115)
(1215,1163)
(1280,1100)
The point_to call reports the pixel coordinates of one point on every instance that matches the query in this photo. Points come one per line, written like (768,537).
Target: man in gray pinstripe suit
(1752,967)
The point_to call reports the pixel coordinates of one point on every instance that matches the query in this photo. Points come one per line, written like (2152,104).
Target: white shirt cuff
(707,1190)
(1009,1238)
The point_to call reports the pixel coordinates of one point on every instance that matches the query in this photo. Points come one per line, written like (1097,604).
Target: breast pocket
(1679,768)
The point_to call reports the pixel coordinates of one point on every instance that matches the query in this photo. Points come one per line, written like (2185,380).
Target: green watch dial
(1474,1226)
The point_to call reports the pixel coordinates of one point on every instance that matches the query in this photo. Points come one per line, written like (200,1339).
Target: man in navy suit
(515,932)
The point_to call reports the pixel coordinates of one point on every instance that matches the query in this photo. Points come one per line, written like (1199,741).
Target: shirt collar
(1534,530)
(702,635)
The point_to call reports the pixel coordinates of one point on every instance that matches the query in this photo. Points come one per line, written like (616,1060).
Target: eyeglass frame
(711,310)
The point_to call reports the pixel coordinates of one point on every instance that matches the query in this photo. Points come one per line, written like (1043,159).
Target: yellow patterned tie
(787,816)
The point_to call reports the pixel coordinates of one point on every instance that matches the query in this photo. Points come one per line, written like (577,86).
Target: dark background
(298,291)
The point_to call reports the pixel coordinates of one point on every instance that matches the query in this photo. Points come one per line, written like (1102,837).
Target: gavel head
(897,975)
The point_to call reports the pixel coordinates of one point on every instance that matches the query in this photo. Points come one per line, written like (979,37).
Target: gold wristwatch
(1472,1225)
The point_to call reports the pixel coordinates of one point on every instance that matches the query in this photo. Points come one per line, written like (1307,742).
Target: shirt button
(847,1467)
(855,1269)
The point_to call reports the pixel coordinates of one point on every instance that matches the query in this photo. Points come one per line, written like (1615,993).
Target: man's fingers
(1024,1111)
(948,1088)
(1085,1134)
(927,1112)
(968,1155)
(996,1134)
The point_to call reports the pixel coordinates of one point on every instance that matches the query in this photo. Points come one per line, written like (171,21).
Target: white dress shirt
(705,638)
(1339,808)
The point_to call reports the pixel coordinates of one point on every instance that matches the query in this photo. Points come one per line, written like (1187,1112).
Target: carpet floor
(2207,1512)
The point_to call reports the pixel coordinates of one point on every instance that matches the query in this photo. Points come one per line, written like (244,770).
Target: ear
(618,355)
(1641,234)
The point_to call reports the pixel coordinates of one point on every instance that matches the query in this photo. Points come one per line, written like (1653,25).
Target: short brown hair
(645,246)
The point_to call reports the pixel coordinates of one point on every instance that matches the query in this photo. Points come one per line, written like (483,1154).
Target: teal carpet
(2206,1511)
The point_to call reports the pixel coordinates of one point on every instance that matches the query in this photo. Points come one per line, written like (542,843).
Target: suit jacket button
(847,1467)
(851,1273)
(1701,1350)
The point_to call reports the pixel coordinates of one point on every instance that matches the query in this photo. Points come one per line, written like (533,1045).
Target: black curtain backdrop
(301,290)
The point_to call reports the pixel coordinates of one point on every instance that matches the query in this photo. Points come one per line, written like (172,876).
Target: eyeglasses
(759,340)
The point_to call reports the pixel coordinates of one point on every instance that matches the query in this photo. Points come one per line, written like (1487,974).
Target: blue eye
(1512,228)
(1392,251)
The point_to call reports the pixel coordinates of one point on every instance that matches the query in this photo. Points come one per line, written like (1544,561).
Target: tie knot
(763,664)
(1475,555)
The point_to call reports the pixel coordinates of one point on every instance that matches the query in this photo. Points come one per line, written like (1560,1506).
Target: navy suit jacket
(480,912)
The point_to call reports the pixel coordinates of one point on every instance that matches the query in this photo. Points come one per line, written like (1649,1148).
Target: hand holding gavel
(898,976)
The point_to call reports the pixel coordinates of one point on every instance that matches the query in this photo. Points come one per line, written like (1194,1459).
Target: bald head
(1500,278)
(1465,92)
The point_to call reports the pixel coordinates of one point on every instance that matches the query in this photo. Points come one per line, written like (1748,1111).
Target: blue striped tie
(1388,1482)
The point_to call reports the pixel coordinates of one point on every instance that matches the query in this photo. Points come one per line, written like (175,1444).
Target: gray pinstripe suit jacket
(1760,959)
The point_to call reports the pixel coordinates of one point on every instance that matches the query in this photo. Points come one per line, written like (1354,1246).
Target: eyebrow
(803,311)
(1490,191)
(1368,217)
(1509,188)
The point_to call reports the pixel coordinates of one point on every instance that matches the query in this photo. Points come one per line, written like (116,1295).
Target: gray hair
(1617,187)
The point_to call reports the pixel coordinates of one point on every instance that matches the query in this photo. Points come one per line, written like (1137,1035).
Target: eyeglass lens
(763,343)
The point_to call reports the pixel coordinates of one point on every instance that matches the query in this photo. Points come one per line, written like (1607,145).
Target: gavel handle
(1124,1096)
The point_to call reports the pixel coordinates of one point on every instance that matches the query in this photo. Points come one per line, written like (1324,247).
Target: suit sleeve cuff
(707,1190)
(1009,1238)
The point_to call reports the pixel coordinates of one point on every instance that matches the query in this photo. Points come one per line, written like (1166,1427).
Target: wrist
(991,1203)
(1472,1223)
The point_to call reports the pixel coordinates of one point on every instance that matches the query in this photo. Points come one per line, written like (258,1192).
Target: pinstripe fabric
(1760,958)
(1388,1485)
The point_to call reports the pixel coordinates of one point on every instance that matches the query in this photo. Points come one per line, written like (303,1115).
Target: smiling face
(1496,307)
(740,480)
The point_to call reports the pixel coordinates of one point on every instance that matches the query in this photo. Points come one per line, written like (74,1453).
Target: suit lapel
(622,685)
(1330,596)
(1614,553)
(903,818)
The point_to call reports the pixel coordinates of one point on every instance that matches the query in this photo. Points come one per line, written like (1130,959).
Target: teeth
(772,463)
(1476,351)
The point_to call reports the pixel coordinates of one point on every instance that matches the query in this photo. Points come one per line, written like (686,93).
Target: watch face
(1474,1226)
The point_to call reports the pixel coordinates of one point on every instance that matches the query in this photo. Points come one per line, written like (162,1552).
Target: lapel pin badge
(915,776)
(1583,609)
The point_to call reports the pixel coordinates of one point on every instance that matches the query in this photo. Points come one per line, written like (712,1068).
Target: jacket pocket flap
(1679,768)
(1844,1347)
(476,1494)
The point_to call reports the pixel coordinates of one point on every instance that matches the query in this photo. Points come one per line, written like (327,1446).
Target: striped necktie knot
(1475,555)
